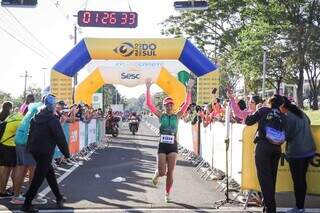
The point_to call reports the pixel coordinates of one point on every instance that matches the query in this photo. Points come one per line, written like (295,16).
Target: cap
(50,101)
(62,103)
(168,100)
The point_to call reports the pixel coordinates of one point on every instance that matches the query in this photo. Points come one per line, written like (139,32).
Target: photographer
(197,116)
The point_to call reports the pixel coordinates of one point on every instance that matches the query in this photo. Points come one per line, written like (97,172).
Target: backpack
(3,125)
(275,127)
(22,132)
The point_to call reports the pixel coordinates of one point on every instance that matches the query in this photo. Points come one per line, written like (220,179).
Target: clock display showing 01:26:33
(107,19)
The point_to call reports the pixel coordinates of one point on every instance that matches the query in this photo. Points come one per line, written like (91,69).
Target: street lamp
(264,67)
(44,77)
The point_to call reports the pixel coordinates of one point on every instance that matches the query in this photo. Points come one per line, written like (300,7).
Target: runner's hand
(148,82)
(190,84)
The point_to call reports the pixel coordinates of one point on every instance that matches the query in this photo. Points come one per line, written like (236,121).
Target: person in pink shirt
(253,104)
(24,107)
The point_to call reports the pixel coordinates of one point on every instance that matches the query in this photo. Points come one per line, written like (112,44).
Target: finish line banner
(284,180)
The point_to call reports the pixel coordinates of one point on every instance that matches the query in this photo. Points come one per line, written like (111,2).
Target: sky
(48,30)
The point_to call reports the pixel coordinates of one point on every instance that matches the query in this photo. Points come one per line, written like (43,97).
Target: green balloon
(183,77)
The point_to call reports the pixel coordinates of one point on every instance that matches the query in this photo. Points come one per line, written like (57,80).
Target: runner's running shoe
(39,201)
(155,179)
(167,198)
(17,200)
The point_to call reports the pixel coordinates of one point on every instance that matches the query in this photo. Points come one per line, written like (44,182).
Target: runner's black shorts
(8,156)
(167,148)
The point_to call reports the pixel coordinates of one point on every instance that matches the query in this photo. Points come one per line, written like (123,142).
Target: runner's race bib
(168,139)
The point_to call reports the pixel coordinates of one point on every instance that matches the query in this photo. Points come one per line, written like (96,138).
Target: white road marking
(44,192)
(231,209)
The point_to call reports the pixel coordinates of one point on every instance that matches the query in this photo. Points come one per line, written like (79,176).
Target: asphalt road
(118,179)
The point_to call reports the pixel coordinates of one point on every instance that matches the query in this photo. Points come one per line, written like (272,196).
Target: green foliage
(233,32)
(37,92)
(157,100)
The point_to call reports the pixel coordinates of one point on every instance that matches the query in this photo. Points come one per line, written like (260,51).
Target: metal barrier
(82,138)
(208,155)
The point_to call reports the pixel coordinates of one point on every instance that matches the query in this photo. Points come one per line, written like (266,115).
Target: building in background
(61,87)
(205,84)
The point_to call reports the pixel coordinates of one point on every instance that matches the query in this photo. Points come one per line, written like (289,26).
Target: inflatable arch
(130,77)
(129,49)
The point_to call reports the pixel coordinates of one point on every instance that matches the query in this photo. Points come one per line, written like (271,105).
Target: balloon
(183,77)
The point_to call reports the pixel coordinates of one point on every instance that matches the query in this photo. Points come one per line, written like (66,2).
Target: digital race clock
(107,19)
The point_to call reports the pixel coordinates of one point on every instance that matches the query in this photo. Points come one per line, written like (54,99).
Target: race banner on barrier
(82,135)
(74,138)
(77,135)
(284,180)
(65,127)
(195,139)
(92,128)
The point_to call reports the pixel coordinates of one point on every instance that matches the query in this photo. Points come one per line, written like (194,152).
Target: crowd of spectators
(77,112)
(240,106)
(15,160)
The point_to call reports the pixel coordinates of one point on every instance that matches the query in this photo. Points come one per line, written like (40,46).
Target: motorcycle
(112,126)
(133,125)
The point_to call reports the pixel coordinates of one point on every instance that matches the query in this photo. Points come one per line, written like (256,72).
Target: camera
(214,90)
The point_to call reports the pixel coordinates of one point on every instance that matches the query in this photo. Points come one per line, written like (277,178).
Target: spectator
(59,107)
(8,158)
(64,113)
(80,113)
(207,115)
(24,107)
(217,109)
(45,133)
(5,111)
(72,114)
(300,150)
(267,155)
(197,117)
(25,161)
(242,114)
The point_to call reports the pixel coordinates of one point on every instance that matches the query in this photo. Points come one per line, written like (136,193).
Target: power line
(17,33)
(129,6)
(30,33)
(21,42)
(86,5)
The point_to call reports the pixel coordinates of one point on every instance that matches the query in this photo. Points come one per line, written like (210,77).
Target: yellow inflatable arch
(130,78)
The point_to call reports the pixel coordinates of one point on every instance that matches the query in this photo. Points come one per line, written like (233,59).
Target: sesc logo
(125,49)
(130,76)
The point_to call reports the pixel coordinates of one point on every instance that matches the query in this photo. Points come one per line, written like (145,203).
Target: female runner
(168,148)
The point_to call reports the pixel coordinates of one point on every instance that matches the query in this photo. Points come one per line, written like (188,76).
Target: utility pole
(25,76)
(44,77)
(75,77)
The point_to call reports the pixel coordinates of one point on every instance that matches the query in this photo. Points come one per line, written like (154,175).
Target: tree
(37,92)
(235,31)
(157,100)
(313,67)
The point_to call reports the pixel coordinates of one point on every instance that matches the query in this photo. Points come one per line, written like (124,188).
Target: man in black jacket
(44,135)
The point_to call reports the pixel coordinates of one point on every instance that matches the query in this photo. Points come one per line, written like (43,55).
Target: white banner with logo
(82,135)
(129,76)
(92,128)
(97,100)
(185,135)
